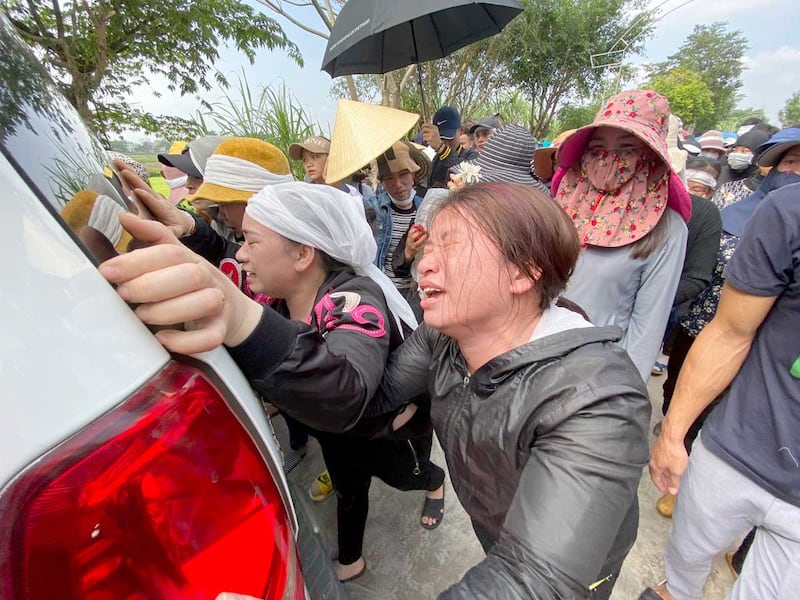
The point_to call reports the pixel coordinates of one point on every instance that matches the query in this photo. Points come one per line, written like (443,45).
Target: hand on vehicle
(668,461)
(417,236)
(430,133)
(152,205)
(173,285)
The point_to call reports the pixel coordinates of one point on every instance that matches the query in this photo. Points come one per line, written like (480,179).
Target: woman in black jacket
(318,353)
(542,417)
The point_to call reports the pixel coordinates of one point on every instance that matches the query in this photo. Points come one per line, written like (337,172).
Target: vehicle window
(43,137)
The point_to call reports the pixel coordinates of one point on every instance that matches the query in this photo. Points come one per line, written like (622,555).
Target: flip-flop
(356,576)
(433,509)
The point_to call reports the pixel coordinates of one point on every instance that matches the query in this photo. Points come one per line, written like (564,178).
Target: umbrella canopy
(361,132)
(378,36)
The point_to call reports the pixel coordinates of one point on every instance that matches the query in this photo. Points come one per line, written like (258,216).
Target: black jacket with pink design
(221,252)
(323,372)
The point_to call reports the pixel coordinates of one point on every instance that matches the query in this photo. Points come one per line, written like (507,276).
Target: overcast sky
(772,62)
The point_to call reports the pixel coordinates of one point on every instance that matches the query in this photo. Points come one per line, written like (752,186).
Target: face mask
(608,170)
(407,203)
(739,161)
(713,155)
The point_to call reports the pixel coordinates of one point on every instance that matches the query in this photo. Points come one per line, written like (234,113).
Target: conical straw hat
(361,133)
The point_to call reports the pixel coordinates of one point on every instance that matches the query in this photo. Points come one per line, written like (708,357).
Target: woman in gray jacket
(542,417)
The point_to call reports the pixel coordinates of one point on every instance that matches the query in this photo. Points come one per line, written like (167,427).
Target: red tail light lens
(165,497)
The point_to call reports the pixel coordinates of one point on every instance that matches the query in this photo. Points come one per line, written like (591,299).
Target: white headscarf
(331,221)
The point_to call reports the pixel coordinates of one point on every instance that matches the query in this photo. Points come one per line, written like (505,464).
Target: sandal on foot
(356,576)
(433,509)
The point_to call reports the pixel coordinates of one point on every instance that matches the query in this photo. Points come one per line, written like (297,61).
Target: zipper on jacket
(458,404)
(417,470)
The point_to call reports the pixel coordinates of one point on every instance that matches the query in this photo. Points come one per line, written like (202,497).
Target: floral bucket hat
(643,113)
(619,218)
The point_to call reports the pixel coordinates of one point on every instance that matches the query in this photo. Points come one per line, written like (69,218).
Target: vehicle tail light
(164,497)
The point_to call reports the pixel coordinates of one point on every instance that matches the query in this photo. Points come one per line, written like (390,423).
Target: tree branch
(277,9)
(406,76)
(328,18)
(35,15)
(331,14)
(59,19)
(27,33)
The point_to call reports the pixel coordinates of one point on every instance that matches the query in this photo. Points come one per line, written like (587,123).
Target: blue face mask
(776,179)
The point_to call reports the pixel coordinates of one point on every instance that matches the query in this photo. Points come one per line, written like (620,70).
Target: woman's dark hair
(712,166)
(328,263)
(531,231)
(331,265)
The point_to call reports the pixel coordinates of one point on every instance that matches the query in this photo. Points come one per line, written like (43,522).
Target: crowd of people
(513,298)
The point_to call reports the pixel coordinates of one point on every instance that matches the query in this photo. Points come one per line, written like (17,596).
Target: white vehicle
(125,472)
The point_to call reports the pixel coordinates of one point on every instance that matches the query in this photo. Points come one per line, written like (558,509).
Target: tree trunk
(81,104)
(351,87)
(533,110)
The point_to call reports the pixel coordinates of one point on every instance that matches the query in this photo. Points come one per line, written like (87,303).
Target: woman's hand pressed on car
(151,205)
(172,285)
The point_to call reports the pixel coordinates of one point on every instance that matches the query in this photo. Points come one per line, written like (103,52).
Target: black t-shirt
(756,428)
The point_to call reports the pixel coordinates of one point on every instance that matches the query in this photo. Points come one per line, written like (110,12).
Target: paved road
(406,562)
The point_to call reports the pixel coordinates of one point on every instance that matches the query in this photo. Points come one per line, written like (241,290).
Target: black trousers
(353,461)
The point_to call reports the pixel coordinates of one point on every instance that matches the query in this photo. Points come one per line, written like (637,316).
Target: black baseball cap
(192,160)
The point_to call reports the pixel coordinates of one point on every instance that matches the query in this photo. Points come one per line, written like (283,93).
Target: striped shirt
(402,219)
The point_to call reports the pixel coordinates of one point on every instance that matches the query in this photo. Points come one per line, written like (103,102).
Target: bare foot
(436,494)
(351,571)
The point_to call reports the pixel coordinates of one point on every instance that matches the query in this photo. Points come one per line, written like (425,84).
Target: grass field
(154,170)
(159,185)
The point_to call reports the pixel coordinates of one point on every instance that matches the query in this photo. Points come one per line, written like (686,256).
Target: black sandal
(433,509)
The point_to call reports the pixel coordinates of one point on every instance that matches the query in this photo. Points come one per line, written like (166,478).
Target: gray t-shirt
(756,428)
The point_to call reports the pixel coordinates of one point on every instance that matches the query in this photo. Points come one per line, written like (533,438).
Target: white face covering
(332,221)
(739,161)
(407,203)
(174,184)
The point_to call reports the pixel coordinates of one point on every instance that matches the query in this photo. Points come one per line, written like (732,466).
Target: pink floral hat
(630,212)
(643,113)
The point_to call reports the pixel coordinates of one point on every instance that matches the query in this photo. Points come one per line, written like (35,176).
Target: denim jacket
(379,214)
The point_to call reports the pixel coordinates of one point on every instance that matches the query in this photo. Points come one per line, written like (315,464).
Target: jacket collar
(543,350)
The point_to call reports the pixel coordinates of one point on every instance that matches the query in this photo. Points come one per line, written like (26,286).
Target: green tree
(688,95)
(471,79)
(99,51)
(738,115)
(573,116)
(551,49)
(790,113)
(715,54)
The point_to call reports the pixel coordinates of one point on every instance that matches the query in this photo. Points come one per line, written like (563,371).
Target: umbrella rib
(438,37)
(491,17)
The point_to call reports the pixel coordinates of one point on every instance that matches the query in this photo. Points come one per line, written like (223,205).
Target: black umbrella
(378,36)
